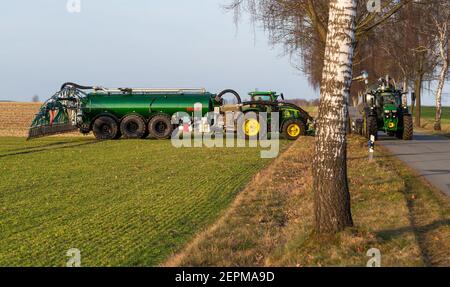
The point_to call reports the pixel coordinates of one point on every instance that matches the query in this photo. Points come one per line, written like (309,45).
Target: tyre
(133,127)
(160,127)
(372,127)
(293,129)
(253,127)
(105,128)
(408,129)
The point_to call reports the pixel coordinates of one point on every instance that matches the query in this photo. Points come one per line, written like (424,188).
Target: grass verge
(270,222)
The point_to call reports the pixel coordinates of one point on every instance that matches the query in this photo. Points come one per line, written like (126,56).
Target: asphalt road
(428,155)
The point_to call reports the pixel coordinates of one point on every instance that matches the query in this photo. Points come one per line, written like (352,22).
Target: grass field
(122,203)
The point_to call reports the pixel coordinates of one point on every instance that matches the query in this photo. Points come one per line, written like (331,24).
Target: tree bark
(418,91)
(331,194)
(437,121)
(444,52)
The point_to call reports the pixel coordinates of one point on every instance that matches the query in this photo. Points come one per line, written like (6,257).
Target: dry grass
(270,223)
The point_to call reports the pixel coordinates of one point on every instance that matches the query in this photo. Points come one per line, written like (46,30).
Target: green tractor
(293,122)
(383,109)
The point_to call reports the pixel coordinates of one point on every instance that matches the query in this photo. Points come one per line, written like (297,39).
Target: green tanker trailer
(126,112)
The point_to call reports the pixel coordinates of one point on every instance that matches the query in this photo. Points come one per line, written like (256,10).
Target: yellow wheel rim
(251,127)
(293,130)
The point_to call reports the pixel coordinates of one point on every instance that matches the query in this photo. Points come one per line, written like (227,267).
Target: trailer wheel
(133,127)
(293,129)
(372,127)
(408,129)
(105,128)
(160,127)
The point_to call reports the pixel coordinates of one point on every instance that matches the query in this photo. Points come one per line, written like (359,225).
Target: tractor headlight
(386,111)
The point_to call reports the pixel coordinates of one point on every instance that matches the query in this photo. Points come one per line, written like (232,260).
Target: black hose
(76,86)
(229,91)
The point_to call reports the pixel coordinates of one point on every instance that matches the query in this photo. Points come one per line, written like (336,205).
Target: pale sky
(139,43)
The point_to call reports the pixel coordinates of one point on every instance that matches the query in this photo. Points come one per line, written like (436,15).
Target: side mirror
(282,96)
(365,75)
(413,97)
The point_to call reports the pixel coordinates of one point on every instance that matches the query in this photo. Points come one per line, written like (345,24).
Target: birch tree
(443,34)
(332,197)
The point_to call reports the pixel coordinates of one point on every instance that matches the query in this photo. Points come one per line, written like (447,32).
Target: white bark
(443,42)
(332,198)
(337,73)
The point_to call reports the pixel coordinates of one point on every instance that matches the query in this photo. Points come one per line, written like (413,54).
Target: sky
(139,43)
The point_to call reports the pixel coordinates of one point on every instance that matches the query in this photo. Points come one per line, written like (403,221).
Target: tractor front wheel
(160,127)
(293,129)
(372,127)
(133,127)
(408,128)
(253,127)
(105,128)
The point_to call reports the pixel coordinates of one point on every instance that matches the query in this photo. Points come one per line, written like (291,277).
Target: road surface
(428,155)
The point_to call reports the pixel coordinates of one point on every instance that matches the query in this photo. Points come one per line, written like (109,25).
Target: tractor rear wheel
(372,127)
(408,128)
(105,128)
(293,129)
(160,127)
(133,127)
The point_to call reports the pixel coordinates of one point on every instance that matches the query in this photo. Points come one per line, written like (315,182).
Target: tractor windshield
(262,98)
(391,99)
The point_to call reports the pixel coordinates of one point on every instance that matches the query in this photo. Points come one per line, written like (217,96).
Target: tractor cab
(265,96)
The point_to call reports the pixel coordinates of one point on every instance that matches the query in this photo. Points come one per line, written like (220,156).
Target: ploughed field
(15,118)
(121,203)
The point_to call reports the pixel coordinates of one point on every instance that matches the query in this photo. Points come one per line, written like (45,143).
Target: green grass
(122,203)
(428,113)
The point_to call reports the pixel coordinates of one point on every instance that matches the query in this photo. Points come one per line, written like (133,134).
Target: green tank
(127,112)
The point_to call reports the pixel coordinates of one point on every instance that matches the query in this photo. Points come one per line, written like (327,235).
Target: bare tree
(300,26)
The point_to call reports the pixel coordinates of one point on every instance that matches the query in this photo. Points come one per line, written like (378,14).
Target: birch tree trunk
(444,55)
(418,91)
(437,122)
(331,194)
